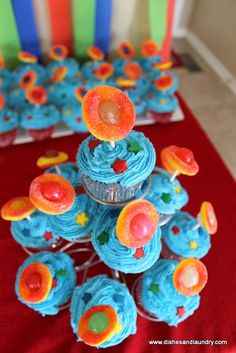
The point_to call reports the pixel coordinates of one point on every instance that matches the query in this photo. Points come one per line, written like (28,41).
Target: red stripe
(167,43)
(61,22)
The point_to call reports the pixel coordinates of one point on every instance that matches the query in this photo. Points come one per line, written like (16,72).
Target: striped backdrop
(34,25)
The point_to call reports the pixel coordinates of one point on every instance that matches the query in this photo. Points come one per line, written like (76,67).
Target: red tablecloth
(25,331)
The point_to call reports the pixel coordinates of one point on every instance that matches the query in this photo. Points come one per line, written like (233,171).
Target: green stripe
(83,12)
(9,39)
(158,20)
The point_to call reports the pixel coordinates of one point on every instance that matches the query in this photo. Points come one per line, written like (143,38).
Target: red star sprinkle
(139,253)
(29,117)
(180,311)
(119,166)
(80,190)
(93,144)
(175,230)
(6,118)
(54,283)
(48,235)
(79,120)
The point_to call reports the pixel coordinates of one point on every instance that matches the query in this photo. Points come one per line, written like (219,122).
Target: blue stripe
(26,25)
(103,24)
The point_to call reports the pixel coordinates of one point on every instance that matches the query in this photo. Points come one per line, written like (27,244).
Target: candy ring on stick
(28,79)
(164,82)
(52,158)
(179,160)
(27,57)
(95,53)
(207,217)
(163,66)
(137,224)
(133,70)
(190,277)
(36,95)
(149,48)
(2,101)
(98,324)
(80,92)
(58,52)
(59,74)
(126,82)
(17,208)
(52,194)
(126,50)
(35,283)
(104,71)
(108,113)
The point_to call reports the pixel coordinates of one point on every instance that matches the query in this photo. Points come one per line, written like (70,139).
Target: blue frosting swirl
(162,104)
(17,99)
(72,117)
(66,224)
(63,92)
(101,290)
(179,242)
(147,64)
(9,120)
(31,233)
(89,67)
(69,171)
(97,163)
(165,300)
(40,117)
(71,64)
(62,270)
(139,103)
(116,255)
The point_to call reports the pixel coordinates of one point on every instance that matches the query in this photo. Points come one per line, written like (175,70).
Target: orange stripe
(166,47)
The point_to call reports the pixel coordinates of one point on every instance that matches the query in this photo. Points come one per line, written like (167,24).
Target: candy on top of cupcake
(126,50)
(98,324)
(27,57)
(36,95)
(104,71)
(164,82)
(95,53)
(137,224)
(162,66)
(2,101)
(126,82)
(133,70)
(28,79)
(58,52)
(190,277)
(149,48)
(59,74)
(52,158)
(35,283)
(17,208)
(80,92)
(52,194)
(207,217)
(108,113)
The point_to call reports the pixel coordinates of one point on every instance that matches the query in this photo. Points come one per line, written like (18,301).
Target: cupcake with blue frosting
(9,122)
(139,103)
(161,107)
(45,281)
(103,312)
(17,100)
(126,54)
(102,76)
(62,92)
(165,85)
(60,62)
(151,59)
(96,56)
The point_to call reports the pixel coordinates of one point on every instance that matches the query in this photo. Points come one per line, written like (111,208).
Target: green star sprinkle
(75,168)
(62,273)
(166,197)
(154,288)
(134,146)
(103,238)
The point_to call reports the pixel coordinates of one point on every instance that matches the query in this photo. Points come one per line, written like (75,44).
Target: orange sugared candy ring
(17,208)
(58,52)
(2,101)
(133,70)
(149,48)
(164,82)
(179,159)
(104,71)
(27,57)
(52,194)
(190,277)
(137,224)
(28,79)
(126,50)
(98,324)
(36,95)
(52,158)
(108,113)
(59,74)
(35,283)
(126,82)
(80,92)
(2,62)
(207,217)
(95,53)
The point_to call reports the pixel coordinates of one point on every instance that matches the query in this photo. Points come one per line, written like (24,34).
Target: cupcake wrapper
(166,253)
(42,134)
(113,192)
(7,138)
(162,118)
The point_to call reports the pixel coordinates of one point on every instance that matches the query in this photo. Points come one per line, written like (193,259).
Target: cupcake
(9,122)
(126,54)
(151,58)
(161,108)
(97,58)
(168,291)
(45,281)
(58,53)
(165,85)
(62,92)
(17,100)
(103,312)
(102,76)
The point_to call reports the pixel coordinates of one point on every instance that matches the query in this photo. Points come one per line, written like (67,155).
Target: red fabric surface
(25,331)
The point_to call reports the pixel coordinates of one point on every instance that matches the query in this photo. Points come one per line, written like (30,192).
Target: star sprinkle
(86,297)
(166,197)
(177,189)
(139,253)
(163,101)
(93,144)
(175,230)
(134,146)
(154,288)
(180,311)
(119,166)
(62,273)
(103,238)
(193,245)
(79,119)
(68,112)
(81,219)
(47,235)
(54,283)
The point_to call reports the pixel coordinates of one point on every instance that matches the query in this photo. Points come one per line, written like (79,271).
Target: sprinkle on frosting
(62,273)
(93,144)
(139,253)
(166,197)
(180,311)
(119,166)
(48,235)
(80,190)
(177,189)
(154,288)
(81,219)
(103,238)
(86,297)
(134,146)
(175,230)
(193,244)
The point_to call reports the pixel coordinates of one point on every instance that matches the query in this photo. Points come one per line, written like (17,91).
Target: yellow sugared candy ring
(207,217)
(162,66)
(52,158)
(18,208)
(125,82)
(27,57)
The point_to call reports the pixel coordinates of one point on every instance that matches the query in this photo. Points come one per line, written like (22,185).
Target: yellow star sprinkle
(193,245)
(177,189)
(163,101)
(68,112)
(51,89)
(81,219)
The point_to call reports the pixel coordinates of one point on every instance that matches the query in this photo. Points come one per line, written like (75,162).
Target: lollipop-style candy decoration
(125,83)
(133,70)
(59,74)
(190,277)
(108,113)
(98,324)
(18,208)
(36,95)
(52,158)
(52,194)
(207,218)
(79,93)
(58,52)
(179,160)
(95,53)
(26,57)
(35,283)
(164,82)
(126,50)
(149,48)
(137,223)
(28,79)
(104,71)
(163,66)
